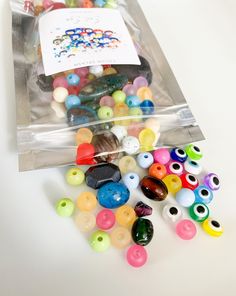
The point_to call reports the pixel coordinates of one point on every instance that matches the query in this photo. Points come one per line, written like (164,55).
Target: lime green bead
(100,241)
(65,207)
(105,112)
(193,152)
(74,176)
(119,96)
(136,112)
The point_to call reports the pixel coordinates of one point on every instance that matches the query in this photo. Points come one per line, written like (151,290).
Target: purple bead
(130,90)
(212,181)
(140,81)
(141,209)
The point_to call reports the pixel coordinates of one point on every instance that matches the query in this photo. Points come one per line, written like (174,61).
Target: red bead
(189,181)
(73,90)
(85,154)
(58,5)
(106,66)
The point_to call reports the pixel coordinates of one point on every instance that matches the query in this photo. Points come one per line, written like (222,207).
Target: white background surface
(41,254)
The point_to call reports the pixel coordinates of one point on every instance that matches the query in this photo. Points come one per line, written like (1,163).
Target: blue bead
(131,180)
(113,195)
(73,79)
(203,194)
(178,154)
(72,101)
(133,101)
(147,107)
(100,3)
(145,160)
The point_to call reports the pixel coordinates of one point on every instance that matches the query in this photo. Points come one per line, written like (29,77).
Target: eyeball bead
(130,145)
(203,194)
(145,160)
(173,183)
(199,212)
(172,213)
(192,167)
(73,79)
(175,168)
(157,170)
(212,181)
(193,152)
(186,229)
(136,256)
(212,227)
(100,241)
(185,197)
(178,154)
(189,181)
(161,156)
(131,180)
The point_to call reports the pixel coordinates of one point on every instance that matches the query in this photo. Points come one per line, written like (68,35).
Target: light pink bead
(105,219)
(130,90)
(60,81)
(107,101)
(140,81)
(82,72)
(134,129)
(161,156)
(47,3)
(136,256)
(186,229)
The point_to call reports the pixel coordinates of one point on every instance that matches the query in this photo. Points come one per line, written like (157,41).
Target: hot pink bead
(140,81)
(60,81)
(82,72)
(161,156)
(107,101)
(134,129)
(186,229)
(174,167)
(105,219)
(47,3)
(136,256)
(130,90)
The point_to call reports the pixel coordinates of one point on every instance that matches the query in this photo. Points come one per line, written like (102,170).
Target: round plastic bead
(147,139)
(134,129)
(136,256)
(147,107)
(125,216)
(153,124)
(60,81)
(100,241)
(83,135)
(131,180)
(75,176)
(119,96)
(73,90)
(133,101)
(199,212)
(178,154)
(105,219)
(47,4)
(172,213)
(186,229)
(203,194)
(185,197)
(82,72)
(130,90)
(157,170)
(189,181)
(127,164)
(173,183)
(145,160)
(85,221)
(119,131)
(136,112)
(140,81)
(72,101)
(107,101)
(212,227)
(59,109)
(212,181)
(65,207)
(144,93)
(193,152)
(154,189)
(161,156)
(86,201)
(120,237)
(175,168)
(60,94)
(96,70)
(105,113)
(130,145)
(192,167)
(73,79)
(121,109)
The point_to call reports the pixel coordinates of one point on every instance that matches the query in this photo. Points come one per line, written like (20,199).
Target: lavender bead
(212,181)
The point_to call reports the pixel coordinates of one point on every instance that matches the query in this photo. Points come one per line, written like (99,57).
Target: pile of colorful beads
(116,223)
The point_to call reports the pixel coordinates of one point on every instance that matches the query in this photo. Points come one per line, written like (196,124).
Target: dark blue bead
(147,107)
(178,154)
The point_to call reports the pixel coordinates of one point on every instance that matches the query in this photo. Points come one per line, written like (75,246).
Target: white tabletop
(41,254)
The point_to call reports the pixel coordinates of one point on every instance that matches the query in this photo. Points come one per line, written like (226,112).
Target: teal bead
(65,207)
(100,241)
(133,101)
(105,113)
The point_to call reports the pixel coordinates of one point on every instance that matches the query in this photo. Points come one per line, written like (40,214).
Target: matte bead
(185,197)
(120,237)
(73,79)
(82,72)
(45,83)
(96,70)
(136,256)
(203,194)
(74,176)
(173,183)
(60,81)
(83,135)
(100,241)
(212,181)
(174,167)
(189,181)
(137,113)
(134,129)
(86,201)
(131,180)
(193,152)
(192,167)
(81,115)
(161,156)
(119,96)
(107,101)
(130,90)
(59,109)
(119,131)
(212,227)
(154,188)
(157,170)
(72,101)
(85,221)
(186,229)
(145,160)
(73,90)
(99,175)
(140,81)
(178,154)
(172,213)
(142,209)
(85,154)
(127,164)
(109,71)
(199,212)
(142,231)
(105,112)
(105,219)
(125,216)
(153,124)
(130,145)
(65,207)
(60,94)
(144,93)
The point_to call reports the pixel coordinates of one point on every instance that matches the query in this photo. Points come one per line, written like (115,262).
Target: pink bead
(161,156)
(107,101)
(174,167)
(140,81)
(134,129)
(186,229)
(105,219)
(130,90)
(136,256)
(47,3)
(83,81)
(82,72)
(60,81)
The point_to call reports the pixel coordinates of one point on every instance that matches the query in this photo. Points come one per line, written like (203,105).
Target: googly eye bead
(212,227)
(203,194)
(189,181)
(173,183)
(185,197)
(145,160)
(192,167)
(175,167)
(212,181)
(131,180)
(193,152)
(178,154)
(72,101)
(199,212)
(186,229)
(172,213)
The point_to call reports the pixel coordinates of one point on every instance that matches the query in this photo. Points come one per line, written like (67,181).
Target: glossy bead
(153,124)
(130,145)
(105,219)
(60,94)
(212,181)
(85,221)
(172,213)
(145,160)
(178,154)
(186,229)
(189,181)
(154,188)
(86,201)
(130,90)
(119,131)
(80,115)
(147,139)
(193,152)
(107,101)
(65,207)
(199,212)
(100,241)
(203,194)
(96,70)
(192,167)
(72,101)
(161,156)
(120,237)
(59,109)
(85,154)
(73,79)
(82,72)
(60,81)
(185,197)
(125,216)
(131,180)
(140,81)
(212,227)
(136,256)
(142,231)
(157,170)
(147,107)
(75,176)
(83,135)
(105,112)
(173,183)
(144,93)
(113,195)
(141,209)
(174,168)
(127,164)
(133,101)
(119,96)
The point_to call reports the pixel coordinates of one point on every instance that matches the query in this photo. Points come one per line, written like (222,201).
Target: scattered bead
(131,180)
(185,197)
(154,188)
(199,212)
(130,145)
(212,227)
(145,160)
(186,229)
(172,213)
(120,237)
(192,167)
(85,221)
(141,209)
(142,231)
(100,241)
(65,207)
(157,170)
(75,176)
(85,154)
(86,201)
(136,256)
(173,183)
(83,135)
(212,181)
(96,70)
(178,154)
(119,131)
(127,164)
(147,139)
(193,152)
(161,155)
(125,216)
(105,219)
(189,181)
(175,168)
(203,194)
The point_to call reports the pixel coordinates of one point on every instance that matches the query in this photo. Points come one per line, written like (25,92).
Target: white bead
(145,160)
(131,180)
(119,131)
(60,94)
(59,109)
(185,197)
(130,145)
(172,213)
(96,70)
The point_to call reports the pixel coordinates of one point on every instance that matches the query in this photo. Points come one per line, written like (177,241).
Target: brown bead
(153,188)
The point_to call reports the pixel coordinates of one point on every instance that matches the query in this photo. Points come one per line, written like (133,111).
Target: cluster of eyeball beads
(110,220)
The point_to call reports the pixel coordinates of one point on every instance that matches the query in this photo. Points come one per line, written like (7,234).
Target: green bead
(199,212)
(142,231)
(193,152)
(65,207)
(110,4)
(136,111)
(119,96)
(105,112)
(71,3)
(75,176)
(100,241)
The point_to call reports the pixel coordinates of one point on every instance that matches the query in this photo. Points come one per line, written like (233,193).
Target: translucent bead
(157,170)
(60,94)
(134,129)
(172,213)
(59,109)
(186,229)
(147,139)
(65,207)
(136,256)
(153,124)
(87,201)
(192,167)
(127,164)
(75,176)
(120,237)
(130,90)
(147,107)
(145,160)
(85,221)
(161,156)
(83,135)
(100,241)
(107,101)
(140,81)
(193,152)
(105,219)
(131,180)
(105,113)
(73,79)
(173,183)
(119,96)
(133,101)
(136,112)
(130,145)
(119,131)
(72,101)
(96,70)
(121,109)
(125,216)
(212,181)
(60,81)
(144,93)
(203,194)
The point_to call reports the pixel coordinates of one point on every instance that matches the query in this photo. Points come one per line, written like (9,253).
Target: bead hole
(63,204)
(146,156)
(215,223)
(74,173)
(100,239)
(132,177)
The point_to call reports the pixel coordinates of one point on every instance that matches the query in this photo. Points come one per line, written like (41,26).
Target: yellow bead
(147,139)
(144,93)
(87,201)
(173,183)
(121,110)
(83,135)
(125,216)
(109,71)
(120,237)
(212,227)
(85,221)
(127,164)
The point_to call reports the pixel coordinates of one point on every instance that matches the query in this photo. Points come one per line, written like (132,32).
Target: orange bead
(87,201)
(157,170)
(87,4)
(120,237)
(83,135)
(125,216)
(144,93)
(121,109)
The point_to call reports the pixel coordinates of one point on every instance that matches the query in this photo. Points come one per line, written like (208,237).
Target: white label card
(78,37)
